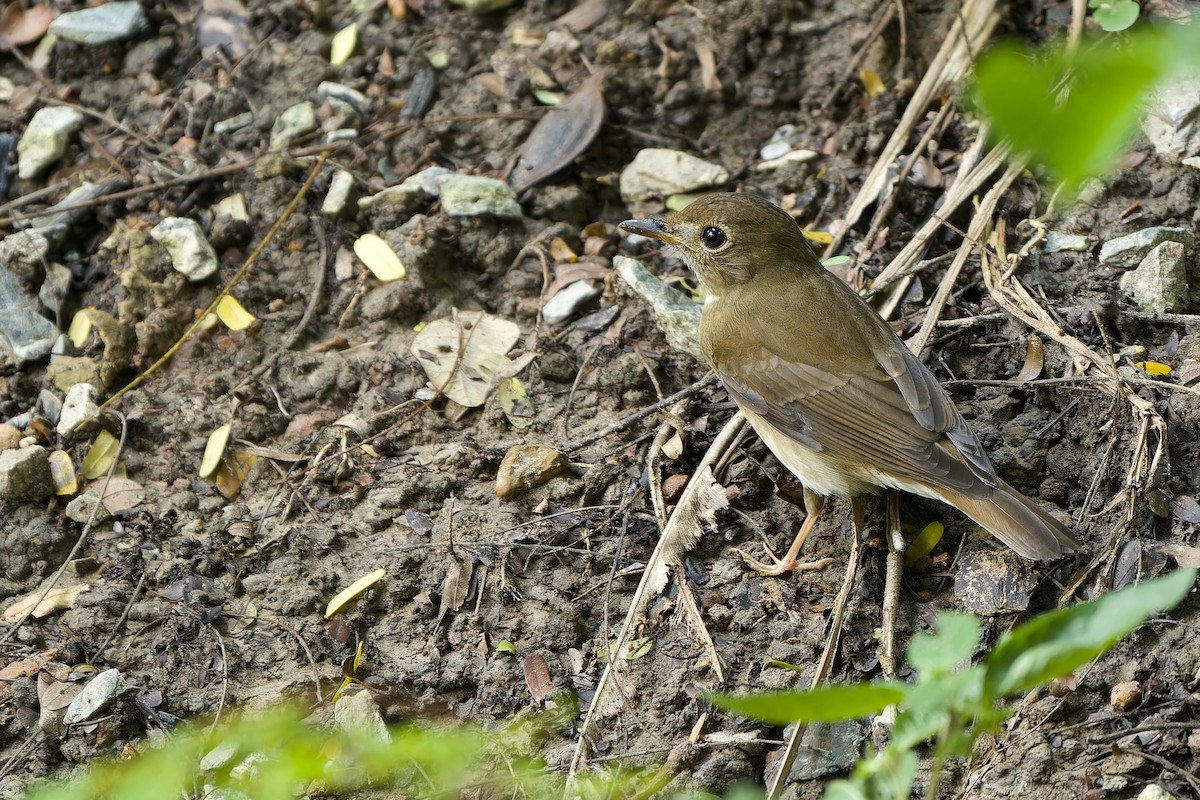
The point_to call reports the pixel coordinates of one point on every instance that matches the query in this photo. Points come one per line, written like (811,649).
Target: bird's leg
(813,505)
(891,603)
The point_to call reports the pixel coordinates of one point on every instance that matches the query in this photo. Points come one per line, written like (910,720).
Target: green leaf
(1116,16)
(1074,111)
(825,704)
(1053,644)
(955,642)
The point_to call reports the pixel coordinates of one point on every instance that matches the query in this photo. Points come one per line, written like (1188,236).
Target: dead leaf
(537,677)
(57,599)
(871,82)
(352,591)
(1187,557)
(120,494)
(464,356)
(454,588)
(1034,353)
(561,135)
(1185,508)
(19,25)
(708,67)
(233,471)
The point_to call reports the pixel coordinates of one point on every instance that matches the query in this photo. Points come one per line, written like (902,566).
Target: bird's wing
(893,418)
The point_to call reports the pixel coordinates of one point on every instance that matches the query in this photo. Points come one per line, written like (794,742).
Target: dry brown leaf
(397,8)
(57,599)
(454,588)
(708,67)
(19,25)
(120,494)
(1034,354)
(464,356)
(561,135)
(537,677)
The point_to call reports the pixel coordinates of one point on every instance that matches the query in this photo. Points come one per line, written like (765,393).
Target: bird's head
(727,239)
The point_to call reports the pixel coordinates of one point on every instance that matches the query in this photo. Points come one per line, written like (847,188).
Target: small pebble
(571,298)
(191,254)
(105,24)
(673,487)
(526,466)
(658,172)
(297,121)
(45,139)
(475,196)
(1126,696)
(25,474)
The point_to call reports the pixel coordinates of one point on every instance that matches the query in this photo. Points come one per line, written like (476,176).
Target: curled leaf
(352,591)
(214,449)
(100,456)
(379,257)
(1034,356)
(234,314)
(561,135)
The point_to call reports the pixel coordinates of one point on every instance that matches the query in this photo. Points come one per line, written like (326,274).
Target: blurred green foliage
(1075,111)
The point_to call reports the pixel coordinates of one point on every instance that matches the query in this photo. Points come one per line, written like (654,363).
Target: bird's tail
(1017,521)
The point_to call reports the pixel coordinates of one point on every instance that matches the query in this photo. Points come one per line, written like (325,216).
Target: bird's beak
(650,228)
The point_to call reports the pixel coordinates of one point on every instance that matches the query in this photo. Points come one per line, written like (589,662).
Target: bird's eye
(714,238)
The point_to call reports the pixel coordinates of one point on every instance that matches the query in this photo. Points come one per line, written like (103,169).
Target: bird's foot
(782,566)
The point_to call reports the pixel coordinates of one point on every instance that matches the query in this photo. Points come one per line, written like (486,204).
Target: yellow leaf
(352,591)
(343,44)
(214,449)
(100,456)
(232,472)
(924,543)
(57,599)
(234,314)
(514,401)
(1154,368)
(819,237)
(81,327)
(379,257)
(62,471)
(872,82)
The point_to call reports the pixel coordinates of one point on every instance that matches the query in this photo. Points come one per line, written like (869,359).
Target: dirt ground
(204,602)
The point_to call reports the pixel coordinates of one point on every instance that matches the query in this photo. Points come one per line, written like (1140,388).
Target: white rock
(46,139)
(338,194)
(656,172)
(790,157)
(191,254)
(88,507)
(563,305)
(476,196)
(99,690)
(1159,284)
(293,123)
(78,408)
(1057,242)
(1127,249)
(25,474)
(111,22)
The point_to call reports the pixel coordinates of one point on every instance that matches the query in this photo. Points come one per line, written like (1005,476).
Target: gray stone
(97,694)
(55,223)
(428,179)
(1172,123)
(790,157)
(1155,792)
(25,474)
(826,748)
(191,254)
(45,139)
(1159,284)
(565,303)
(358,715)
(476,196)
(678,315)
(26,332)
(407,195)
(111,22)
(656,172)
(55,288)
(24,253)
(356,100)
(339,193)
(234,123)
(81,509)
(293,123)
(78,408)
(1125,250)
(1057,242)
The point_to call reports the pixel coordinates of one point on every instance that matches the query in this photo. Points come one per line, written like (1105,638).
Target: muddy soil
(201,600)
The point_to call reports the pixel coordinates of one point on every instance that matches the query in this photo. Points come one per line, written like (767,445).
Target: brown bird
(827,384)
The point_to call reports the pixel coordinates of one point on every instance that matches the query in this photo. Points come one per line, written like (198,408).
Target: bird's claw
(782,566)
